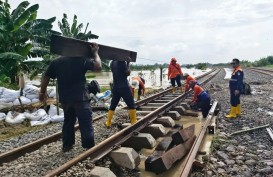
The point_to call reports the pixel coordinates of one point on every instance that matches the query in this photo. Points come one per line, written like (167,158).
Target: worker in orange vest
(201,98)
(138,83)
(175,74)
(189,78)
(235,87)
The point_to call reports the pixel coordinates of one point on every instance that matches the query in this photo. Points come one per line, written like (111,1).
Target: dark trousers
(205,107)
(124,93)
(177,79)
(139,92)
(234,99)
(83,112)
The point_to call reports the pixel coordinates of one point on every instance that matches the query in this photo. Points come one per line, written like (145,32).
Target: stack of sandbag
(39,117)
(2,116)
(53,114)
(24,101)
(7,97)
(51,92)
(31,92)
(15,117)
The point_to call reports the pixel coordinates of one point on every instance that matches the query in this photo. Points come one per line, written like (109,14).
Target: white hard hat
(134,84)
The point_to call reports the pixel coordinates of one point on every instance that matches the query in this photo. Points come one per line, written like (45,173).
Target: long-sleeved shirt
(236,81)
(188,79)
(199,94)
(174,70)
(141,82)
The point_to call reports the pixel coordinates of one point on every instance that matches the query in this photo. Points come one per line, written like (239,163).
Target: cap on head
(235,61)
(174,59)
(134,84)
(185,74)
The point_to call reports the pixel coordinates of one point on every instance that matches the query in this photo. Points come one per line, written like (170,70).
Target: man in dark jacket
(73,95)
(235,87)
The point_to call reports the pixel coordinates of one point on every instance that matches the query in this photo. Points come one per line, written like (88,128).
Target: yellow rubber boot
(238,109)
(181,89)
(132,115)
(174,89)
(110,115)
(232,113)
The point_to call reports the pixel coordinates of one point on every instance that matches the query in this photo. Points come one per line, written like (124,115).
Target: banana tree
(75,30)
(22,35)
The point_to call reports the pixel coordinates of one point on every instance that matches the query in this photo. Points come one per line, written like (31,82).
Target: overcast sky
(191,30)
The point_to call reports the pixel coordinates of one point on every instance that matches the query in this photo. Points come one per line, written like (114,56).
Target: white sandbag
(32,96)
(5,105)
(2,116)
(52,94)
(37,115)
(35,100)
(53,110)
(7,93)
(15,117)
(24,101)
(43,121)
(49,90)
(6,100)
(57,118)
(31,90)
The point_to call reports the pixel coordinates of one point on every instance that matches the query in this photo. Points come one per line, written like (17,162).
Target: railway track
(262,71)
(106,146)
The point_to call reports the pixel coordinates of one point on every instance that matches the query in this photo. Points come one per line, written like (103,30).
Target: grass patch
(90,75)
(9,86)
(104,88)
(8,131)
(268,67)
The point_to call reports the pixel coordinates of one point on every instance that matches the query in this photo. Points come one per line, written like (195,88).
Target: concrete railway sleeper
(129,131)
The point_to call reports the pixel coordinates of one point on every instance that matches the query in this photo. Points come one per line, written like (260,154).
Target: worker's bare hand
(236,92)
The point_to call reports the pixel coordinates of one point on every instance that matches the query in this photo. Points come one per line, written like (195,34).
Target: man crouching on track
(201,98)
(235,86)
(121,89)
(73,95)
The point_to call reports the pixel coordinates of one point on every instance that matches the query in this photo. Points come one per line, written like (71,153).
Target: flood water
(152,78)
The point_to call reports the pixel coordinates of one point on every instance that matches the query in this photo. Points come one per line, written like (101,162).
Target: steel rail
(30,147)
(262,71)
(193,152)
(114,141)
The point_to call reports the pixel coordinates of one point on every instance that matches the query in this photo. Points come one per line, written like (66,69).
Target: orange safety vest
(141,84)
(187,84)
(174,70)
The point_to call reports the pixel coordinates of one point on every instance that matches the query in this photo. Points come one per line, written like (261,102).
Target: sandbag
(32,96)
(57,118)
(2,116)
(52,94)
(15,117)
(37,115)
(43,121)
(24,101)
(53,110)
(31,90)
(5,105)
(35,100)
(7,100)
(7,93)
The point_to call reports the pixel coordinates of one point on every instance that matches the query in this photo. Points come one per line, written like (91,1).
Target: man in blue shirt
(235,86)
(73,95)
(121,89)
